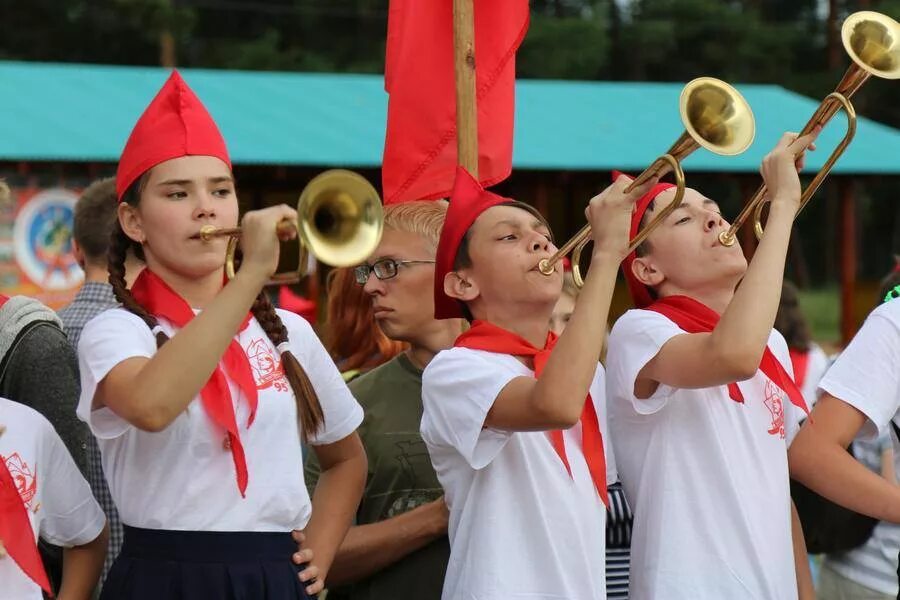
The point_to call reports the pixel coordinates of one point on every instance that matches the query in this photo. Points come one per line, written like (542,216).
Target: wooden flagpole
(464,66)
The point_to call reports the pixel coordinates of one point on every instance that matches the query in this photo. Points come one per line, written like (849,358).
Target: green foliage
(772,41)
(564,48)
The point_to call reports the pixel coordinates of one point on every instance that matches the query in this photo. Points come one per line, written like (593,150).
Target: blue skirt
(157,564)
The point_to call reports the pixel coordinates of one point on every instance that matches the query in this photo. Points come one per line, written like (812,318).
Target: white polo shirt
(706,477)
(520,526)
(59,502)
(188,469)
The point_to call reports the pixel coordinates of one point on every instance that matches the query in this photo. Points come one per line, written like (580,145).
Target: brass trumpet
(339,221)
(715,116)
(873,42)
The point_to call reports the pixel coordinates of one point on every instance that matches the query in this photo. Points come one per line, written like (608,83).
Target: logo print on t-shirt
(26,481)
(776,409)
(266,366)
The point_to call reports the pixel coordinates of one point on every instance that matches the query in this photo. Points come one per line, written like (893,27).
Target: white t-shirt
(867,373)
(706,476)
(187,468)
(520,526)
(60,505)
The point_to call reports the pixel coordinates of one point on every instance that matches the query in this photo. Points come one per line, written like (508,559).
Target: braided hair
(309,409)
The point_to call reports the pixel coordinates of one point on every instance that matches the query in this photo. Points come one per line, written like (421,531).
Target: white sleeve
(459,387)
(635,339)
(108,339)
(342,412)
(71,515)
(867,373)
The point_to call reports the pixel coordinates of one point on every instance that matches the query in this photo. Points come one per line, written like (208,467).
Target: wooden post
(832,36)
(848,259)
(166,38)
(464,66)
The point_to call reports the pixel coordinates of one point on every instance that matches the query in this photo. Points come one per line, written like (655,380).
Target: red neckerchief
(3,299)
(16,532)
(800,362)
(160,300)
(490,338)
(695,317)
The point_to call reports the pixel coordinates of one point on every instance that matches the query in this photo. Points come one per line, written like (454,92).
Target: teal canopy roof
(83,113)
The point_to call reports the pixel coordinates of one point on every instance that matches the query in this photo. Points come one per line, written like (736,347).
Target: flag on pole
(420,147)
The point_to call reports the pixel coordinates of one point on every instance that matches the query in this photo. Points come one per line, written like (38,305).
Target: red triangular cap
(175,124)
(640,295)
(467,202)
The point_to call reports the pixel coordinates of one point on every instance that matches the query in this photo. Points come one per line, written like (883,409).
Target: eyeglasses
(385,268)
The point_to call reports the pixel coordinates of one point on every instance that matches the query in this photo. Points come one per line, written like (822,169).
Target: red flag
(420,148)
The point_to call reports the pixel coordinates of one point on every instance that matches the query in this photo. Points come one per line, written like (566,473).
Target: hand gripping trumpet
(339,221)
(873,42)
(716,117)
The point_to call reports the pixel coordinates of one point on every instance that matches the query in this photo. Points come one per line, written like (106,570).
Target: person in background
(860,397)
(352,338)
(38,368)
(398,547)
(43,496)
(808,359)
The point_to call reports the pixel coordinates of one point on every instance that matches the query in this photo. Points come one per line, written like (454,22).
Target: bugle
(339,221)
(715,116)
(873,42)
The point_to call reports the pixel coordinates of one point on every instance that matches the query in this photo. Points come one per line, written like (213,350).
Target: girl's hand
(315,582)
(260,238)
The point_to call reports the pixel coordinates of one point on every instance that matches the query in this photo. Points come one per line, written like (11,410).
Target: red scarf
(800,362)
(695,317)
(490,338)
(16,533)
(3,299)
(160,300)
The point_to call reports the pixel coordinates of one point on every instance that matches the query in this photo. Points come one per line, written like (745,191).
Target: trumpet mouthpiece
(206,233)
(546,268)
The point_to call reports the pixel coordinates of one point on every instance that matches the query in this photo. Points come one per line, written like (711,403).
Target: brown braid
(119,243)
(309,409)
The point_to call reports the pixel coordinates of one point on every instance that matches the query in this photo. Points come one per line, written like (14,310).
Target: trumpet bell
(873,42)
(717,116)
(340,218)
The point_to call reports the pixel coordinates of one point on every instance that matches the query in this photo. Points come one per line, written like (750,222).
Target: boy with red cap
(514,419)
(195,389)
(702,404)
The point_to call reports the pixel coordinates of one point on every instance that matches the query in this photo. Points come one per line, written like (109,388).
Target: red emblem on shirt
(266,366)
(26,481)
(776,409)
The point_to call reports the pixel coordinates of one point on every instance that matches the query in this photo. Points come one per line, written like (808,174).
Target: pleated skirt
(159,564)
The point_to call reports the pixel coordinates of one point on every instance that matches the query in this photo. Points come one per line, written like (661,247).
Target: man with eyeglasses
(398,547)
